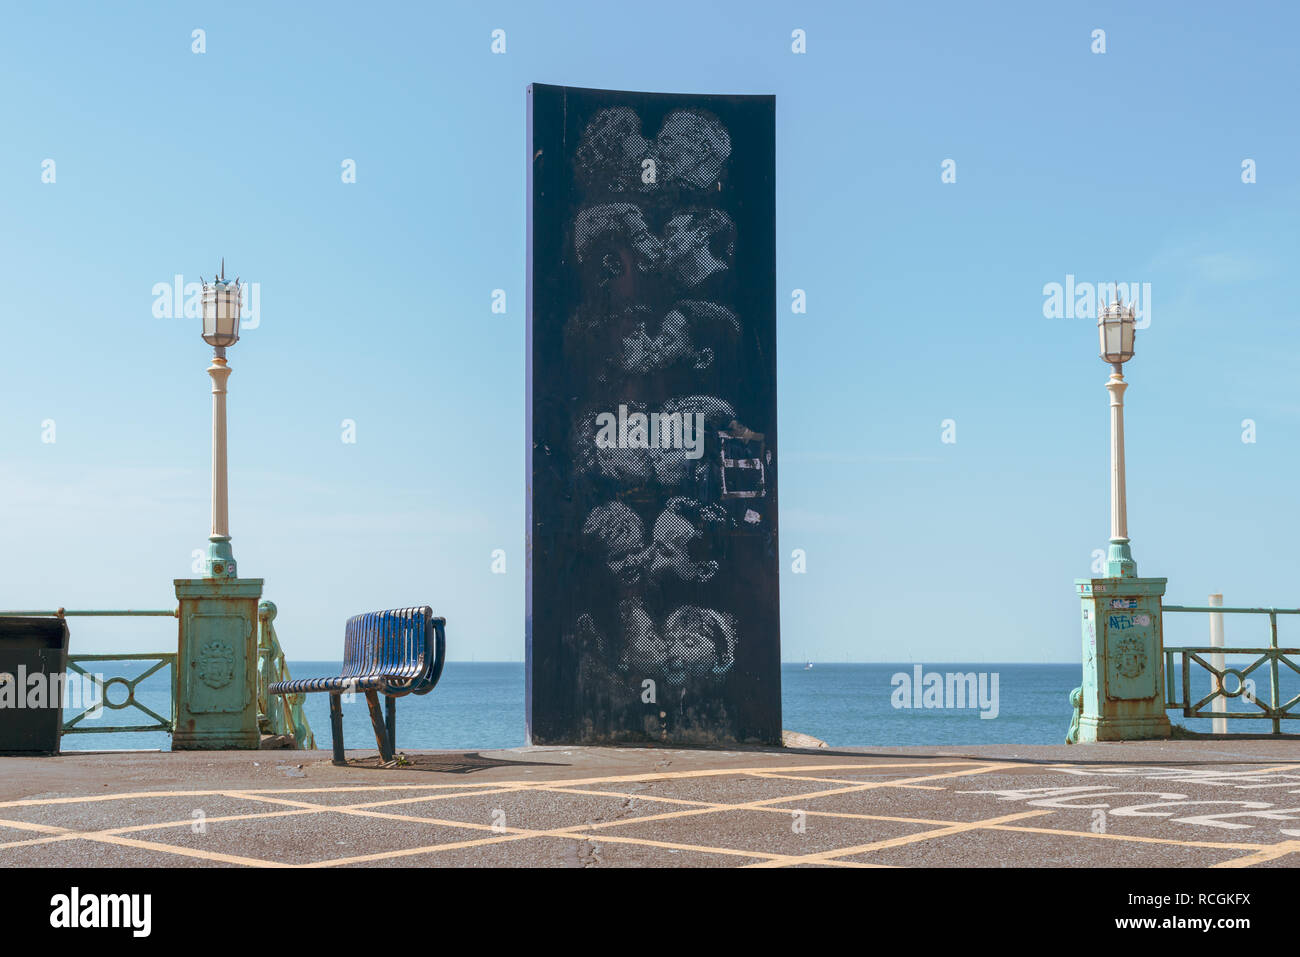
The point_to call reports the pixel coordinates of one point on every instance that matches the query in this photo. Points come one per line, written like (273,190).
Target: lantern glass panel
(1116,333)
(221,304)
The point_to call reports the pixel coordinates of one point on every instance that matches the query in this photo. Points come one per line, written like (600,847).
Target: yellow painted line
(932,822)
(180,851)
(70,832)
(762,804)
(31,842)
(412,851)
(1270,853)
(188,822)
(112,836)
(715,772)
(1139,838)
(572,832)
(614,779)
(34,826)
(94,798)
(673,845)
(225,792)
(906,839)
(637,796)
(363,811)
(1244,769)
(576,832)
(784,799)
(706,805)
(391,801)
(132,828)
(774,810)
(107,838)
(795,777)
(857,864)
(468,785)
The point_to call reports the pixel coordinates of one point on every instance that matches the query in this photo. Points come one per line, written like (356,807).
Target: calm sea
(481,706)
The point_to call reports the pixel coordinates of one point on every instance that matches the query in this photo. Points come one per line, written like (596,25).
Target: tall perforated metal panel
(653,603)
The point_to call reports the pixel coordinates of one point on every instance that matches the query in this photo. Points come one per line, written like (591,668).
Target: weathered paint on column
(216,664)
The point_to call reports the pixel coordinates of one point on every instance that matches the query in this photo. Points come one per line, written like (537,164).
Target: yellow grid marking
(1139,838)
(638,796)
(583,831)
(465,787)
(599,830)
(822,856)
(799,777)
(107,837)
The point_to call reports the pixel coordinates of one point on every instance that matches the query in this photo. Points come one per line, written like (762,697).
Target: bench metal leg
(336,727)
(390,715)
(381,732)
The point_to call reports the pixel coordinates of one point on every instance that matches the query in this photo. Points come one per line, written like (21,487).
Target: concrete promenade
(1186,803)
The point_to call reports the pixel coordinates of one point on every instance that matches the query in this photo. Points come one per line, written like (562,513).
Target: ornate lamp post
(221,304)
(1116,326)
(1122,697)
(216,659)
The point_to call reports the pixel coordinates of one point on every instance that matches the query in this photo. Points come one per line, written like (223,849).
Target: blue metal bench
(393,653)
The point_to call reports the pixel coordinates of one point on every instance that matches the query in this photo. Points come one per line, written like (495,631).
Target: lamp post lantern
(221,303)
(1122,697)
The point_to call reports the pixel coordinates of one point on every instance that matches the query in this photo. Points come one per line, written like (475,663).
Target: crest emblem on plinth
(1130,657)
(216,663)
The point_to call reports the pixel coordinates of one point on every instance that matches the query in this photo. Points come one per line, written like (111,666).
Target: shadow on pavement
(444,763)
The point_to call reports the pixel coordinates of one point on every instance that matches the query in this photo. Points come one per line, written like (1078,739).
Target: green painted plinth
(216,664)
(1123,697)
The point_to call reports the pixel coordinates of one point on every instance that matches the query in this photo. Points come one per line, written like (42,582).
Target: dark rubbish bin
(31,709)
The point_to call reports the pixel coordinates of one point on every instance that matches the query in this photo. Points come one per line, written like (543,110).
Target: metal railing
(284,714)
(97,697)
(100,699)
(1273,657)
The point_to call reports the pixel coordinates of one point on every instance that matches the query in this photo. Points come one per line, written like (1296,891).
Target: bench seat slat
(336,683)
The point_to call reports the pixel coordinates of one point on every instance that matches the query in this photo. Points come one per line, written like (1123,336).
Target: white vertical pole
(1118,504)
(1216,660)
(220,372)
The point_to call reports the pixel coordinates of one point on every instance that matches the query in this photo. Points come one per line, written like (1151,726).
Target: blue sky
(925,303)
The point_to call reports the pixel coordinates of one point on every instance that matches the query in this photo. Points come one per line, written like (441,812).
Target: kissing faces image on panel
(653,598)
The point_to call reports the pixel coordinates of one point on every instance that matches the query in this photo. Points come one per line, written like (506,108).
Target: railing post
(265,669)
(1276,688)
(1220,703)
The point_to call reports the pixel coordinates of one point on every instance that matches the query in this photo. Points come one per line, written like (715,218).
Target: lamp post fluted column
(221,559)
(1119,559)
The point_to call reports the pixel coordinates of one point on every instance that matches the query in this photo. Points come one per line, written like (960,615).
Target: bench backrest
(405,645)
